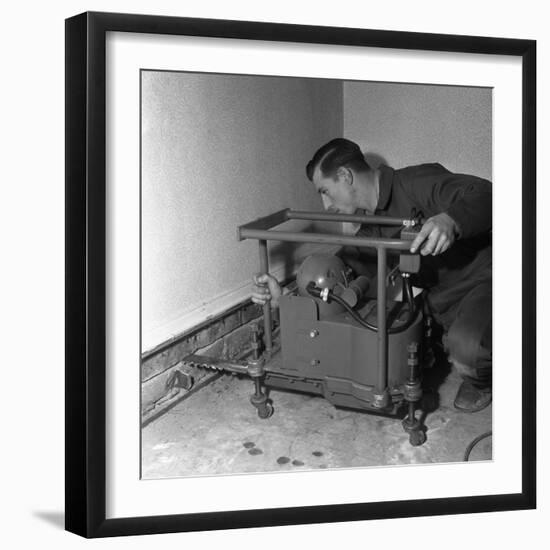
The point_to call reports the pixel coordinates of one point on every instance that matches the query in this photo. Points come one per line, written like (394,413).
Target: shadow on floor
(57,519)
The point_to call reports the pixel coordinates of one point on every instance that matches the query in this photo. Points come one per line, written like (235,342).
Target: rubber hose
(316,293)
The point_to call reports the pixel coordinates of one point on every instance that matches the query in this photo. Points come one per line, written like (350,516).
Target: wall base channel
(164,379)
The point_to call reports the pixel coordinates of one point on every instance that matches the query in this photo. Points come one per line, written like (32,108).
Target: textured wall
(219,151)
(405,124)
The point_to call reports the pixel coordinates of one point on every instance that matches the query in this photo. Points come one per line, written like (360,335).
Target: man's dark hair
(334,154)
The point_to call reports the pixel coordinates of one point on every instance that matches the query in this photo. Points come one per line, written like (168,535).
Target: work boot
(471,399)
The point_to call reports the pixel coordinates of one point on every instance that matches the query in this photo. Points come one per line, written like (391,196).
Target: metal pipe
(264,268)
(382,375)
(411,417)
(267,222)
(258,387)
(336,217)
(323,238)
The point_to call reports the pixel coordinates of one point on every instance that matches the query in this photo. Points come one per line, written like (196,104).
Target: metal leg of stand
(381,395)
(413,394)
(264,268)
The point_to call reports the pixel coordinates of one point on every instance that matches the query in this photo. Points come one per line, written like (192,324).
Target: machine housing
(334,356)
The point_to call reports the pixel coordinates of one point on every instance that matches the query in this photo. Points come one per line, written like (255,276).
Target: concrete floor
(217,431)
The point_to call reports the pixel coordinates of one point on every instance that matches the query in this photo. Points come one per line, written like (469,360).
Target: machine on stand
(343,337)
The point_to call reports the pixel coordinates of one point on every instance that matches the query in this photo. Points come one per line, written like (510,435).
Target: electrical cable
(470,447)
(407,292)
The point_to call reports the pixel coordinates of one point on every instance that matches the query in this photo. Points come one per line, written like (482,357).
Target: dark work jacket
(432,189)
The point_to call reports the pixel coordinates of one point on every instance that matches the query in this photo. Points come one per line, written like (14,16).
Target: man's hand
(266,288)
(437,235)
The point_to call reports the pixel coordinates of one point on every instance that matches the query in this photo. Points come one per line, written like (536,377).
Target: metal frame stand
(261,229)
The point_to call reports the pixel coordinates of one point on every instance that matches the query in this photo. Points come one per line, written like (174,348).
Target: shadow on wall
(374,160)
(290,255)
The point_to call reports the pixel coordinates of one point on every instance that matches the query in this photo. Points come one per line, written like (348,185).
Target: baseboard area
(226,336)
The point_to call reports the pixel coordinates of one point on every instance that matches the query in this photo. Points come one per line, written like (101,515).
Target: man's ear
(344,174)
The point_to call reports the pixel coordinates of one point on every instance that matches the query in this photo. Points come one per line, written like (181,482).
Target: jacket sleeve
(468,200)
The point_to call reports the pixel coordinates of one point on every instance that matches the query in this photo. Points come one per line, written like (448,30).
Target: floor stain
(255,451)
(297,463)
(217,442)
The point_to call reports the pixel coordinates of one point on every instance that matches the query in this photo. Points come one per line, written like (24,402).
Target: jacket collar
(385,182)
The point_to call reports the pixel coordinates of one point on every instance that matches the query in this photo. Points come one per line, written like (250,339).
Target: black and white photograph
(274,274)
(316,274)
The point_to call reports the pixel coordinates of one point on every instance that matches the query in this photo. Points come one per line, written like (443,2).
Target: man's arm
(456,206)
(470,204)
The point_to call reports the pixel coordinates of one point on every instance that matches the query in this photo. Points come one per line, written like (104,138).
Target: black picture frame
(86,273)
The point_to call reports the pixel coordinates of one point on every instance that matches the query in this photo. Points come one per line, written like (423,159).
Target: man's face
(337,192)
